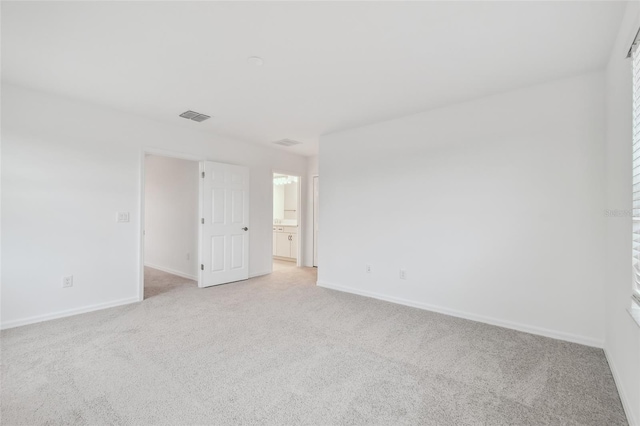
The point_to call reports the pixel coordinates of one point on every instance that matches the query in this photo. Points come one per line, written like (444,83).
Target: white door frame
(298,213)
(314,254)
(162,153)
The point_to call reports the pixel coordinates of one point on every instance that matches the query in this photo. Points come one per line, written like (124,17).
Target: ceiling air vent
(195,116)
(287,142)
(200,118)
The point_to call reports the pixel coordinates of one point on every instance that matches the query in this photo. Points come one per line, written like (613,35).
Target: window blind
(635,53)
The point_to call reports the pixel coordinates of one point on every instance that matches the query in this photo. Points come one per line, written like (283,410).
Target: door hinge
(202,175)
(202,267)
(202,220)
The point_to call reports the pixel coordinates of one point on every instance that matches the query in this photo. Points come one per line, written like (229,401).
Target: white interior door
(315,220)
(224,238)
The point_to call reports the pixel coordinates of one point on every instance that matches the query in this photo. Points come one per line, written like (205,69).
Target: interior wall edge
(626,403)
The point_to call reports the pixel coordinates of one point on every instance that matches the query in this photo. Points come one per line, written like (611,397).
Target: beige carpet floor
(279,350)
(279,265)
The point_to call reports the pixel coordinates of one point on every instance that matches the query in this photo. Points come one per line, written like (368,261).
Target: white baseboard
(286,259)
(172,271)
(67,313)
(626,404)
(583,340)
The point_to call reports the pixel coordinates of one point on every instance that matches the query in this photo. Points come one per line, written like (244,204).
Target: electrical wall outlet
(67,281)
(122,217)
(403,274)
(367,268)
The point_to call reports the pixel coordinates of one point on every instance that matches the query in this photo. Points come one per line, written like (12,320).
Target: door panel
(237,251)
(218,207)
(237,203)
(224,240)
(217,253)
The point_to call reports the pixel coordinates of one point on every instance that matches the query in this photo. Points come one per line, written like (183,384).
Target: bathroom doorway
(286,221)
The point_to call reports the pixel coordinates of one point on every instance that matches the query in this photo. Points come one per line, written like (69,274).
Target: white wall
(494,207)
(171,215)
(67,168)
(622,344)
(312,170)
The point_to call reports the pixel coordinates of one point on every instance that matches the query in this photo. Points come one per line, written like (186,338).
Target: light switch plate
(122,217)
(67,281)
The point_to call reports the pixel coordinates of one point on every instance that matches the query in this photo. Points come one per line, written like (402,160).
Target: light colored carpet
(158,282)
(279,265)
(279,350)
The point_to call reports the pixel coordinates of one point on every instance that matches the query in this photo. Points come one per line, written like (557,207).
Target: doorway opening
(286,221)
(170,210)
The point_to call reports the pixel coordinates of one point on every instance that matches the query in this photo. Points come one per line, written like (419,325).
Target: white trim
(172,271)
(172,154)
(634,312)
(285,259)
(314,219)
(259,274)
(141,222)
(68,313)
(569,337)
(626,404)
(200,225)
(632,31)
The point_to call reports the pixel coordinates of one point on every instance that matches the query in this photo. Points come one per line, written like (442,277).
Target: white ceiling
(327,65)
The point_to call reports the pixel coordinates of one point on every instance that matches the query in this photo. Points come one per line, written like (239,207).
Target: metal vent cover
(200,117)
(195,116)
(189,114)
(287,142)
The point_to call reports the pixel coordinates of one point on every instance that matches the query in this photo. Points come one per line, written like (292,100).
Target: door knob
(245,229)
